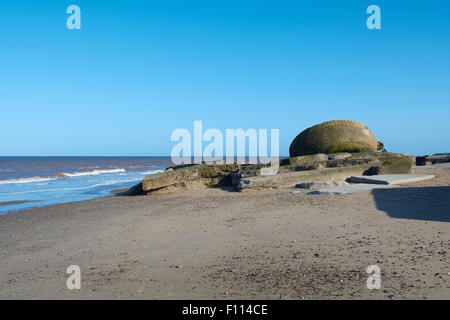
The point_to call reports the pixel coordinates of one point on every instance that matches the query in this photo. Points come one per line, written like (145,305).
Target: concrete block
(350,188)
(391,179)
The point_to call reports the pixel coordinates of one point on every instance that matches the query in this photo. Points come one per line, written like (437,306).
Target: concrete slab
(295,177)
(391,179)
(350,188)
(319,185)
(445,165)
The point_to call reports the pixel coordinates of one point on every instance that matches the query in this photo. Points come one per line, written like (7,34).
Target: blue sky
(137,70)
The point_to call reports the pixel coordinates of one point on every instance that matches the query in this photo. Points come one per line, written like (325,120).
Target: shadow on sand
(422,203)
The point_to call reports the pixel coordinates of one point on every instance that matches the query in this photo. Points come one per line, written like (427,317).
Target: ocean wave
(112,182)
(89,173)
(60,175)
(26,180)
(106,183)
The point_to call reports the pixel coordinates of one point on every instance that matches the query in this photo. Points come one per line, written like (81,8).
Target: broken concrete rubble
(294,170)
(434,159)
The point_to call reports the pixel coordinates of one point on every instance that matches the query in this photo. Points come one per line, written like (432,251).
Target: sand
(219,244)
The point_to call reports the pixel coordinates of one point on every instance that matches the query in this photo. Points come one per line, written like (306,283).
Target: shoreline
(113,193)
(51,180)
(212,243)
(7,203)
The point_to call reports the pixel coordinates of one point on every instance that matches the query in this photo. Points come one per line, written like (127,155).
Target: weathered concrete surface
(318,185)
(362,183)
(291,170)
(445,165)
(307,160)
(201,173)
(332,137)
(338,169)
(339,156)
(133,191)
(350,188)
(391,179)
(271,170)
(296,177)
(378,162)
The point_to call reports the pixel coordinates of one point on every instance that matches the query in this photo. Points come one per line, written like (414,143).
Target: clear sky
(137,70)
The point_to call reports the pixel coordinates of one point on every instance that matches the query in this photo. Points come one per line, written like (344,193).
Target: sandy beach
(213,243)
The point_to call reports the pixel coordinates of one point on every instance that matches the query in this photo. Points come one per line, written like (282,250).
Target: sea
(32,182)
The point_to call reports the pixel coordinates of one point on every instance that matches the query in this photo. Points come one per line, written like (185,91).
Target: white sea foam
(26,180)
(60,175)
(88,173)
(111,182)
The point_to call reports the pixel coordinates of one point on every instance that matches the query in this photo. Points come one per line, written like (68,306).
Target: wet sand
(219,244)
